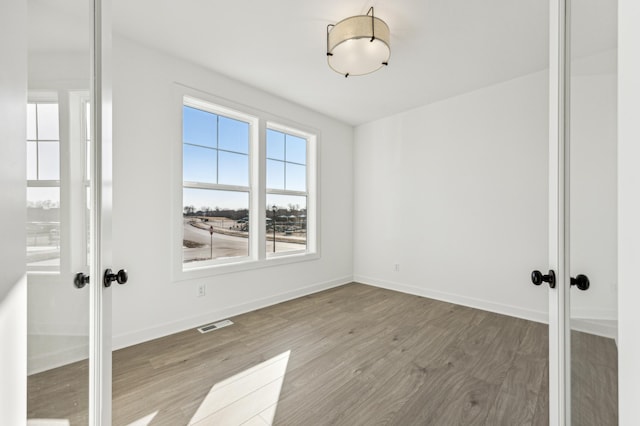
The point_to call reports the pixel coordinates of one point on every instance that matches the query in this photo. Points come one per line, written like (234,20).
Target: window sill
(245,265)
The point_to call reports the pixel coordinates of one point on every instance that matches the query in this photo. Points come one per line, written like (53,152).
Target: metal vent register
(214,326)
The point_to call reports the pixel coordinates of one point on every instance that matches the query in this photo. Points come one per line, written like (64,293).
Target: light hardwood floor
(354,355)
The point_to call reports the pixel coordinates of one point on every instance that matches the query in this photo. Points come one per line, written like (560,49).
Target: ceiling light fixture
(358,45)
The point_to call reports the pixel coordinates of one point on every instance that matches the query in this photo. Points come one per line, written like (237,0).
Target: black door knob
(80,280)
(537,278)
(109,277)
(581,281)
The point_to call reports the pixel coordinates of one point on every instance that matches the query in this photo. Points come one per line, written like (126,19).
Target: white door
(101,188)
(69,192)
(558,275)
(13,288)
(582,214)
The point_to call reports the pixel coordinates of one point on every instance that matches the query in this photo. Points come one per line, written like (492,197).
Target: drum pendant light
(358,45)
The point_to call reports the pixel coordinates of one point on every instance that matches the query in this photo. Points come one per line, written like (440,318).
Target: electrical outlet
(202,290)
(396,267)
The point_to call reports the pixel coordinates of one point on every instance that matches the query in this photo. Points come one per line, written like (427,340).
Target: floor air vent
(216,325)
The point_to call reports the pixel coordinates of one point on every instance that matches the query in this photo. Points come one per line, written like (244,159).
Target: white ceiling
(439,48)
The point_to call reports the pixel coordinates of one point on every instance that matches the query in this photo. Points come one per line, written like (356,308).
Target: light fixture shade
(358,45)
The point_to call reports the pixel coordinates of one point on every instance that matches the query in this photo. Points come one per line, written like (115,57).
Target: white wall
(146,130)
(629,208)
(456,193)
(13,294)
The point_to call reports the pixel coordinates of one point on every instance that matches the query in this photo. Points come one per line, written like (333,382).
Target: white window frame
(71,183)
(310,184)
(51,97)
(257,176)
(202,105)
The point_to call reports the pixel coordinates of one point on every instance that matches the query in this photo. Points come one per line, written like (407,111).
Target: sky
(216,151)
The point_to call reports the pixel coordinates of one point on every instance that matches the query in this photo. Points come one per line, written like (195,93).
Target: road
(224,246)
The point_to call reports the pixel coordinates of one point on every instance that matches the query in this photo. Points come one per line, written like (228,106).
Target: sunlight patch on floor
(249,398)
(143,421)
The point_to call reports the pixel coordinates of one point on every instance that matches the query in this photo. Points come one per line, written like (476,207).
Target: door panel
(69,206)
(593,216)
(58,209)
(101,188)
(559,369)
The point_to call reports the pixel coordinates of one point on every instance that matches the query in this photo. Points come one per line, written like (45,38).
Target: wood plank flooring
(354,355)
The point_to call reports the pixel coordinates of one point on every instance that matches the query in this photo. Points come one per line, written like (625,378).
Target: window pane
(87,222)
(199,164)
(233,169)
(87,117)
(199,127)
(48,160)
(227,212)
(32,160)
(31,122)
(296,149)
(87,137)
(87,170)
(275,145)
(296,177)
(48,122)
(275,174)
(234,135)
(288,222)
(43,226)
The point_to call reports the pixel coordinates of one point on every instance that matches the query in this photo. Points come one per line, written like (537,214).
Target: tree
(189,210)
(294,207)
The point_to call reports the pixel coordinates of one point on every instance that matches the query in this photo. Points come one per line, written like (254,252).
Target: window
(43,186)
(216,190)
(286,192)
(58,152)
(85,131)
(248,196)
